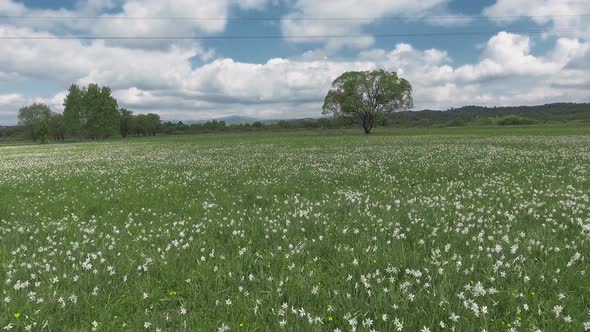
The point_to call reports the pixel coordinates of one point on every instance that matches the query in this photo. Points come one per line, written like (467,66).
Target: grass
(317,230)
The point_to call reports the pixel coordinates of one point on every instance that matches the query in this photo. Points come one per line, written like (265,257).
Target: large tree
(91,111)
(99,115)
(126,122)
(34,118)
(153,124)
(364,95)
(73,106)
(56,126)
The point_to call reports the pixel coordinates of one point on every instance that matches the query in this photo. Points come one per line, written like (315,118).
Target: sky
(453,52)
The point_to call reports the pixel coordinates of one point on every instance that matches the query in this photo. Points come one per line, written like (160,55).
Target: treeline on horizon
(464,116)
(89,113)
(92,113)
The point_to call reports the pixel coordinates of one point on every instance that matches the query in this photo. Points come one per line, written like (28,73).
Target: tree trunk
(368,122)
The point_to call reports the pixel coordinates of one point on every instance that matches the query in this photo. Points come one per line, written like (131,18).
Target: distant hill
(558,112)
(234,119)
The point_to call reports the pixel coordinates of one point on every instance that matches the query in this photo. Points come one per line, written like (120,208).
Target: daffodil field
(297,232)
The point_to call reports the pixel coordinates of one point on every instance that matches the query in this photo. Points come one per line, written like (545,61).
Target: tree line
(89,112)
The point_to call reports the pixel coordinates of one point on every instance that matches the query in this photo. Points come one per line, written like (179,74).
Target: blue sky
(285,77)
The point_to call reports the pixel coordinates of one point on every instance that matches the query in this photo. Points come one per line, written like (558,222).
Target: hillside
(558,112)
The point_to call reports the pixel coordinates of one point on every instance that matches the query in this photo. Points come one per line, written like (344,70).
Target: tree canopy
(34,118)
(365,95)
(91,111)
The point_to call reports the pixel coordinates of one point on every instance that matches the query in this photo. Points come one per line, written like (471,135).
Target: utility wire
(295,18)
(344,36)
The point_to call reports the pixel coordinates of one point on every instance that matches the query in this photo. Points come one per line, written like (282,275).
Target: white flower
(315,290)
(557,310)
(368,322)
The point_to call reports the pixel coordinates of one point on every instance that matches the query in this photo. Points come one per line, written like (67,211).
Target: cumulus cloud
(562,16)
(363,12)
(166,80)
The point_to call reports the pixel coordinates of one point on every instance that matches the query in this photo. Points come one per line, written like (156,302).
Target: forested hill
(559,112)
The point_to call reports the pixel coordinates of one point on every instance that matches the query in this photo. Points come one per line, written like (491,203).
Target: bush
(483,121)
(457,122)
(514,120)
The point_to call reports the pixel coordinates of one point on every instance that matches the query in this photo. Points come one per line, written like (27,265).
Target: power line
(295,18)
(344,36)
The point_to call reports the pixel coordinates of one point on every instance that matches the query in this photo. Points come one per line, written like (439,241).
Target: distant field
(465,228)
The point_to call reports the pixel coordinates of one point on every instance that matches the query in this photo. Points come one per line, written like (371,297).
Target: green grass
(300,231)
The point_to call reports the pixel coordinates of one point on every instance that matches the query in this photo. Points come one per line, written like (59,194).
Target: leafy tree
(73,108)
(56,126)
(100,112)
(33,118)
(109,113)
(153,124)
(141,123)
(43,131)
(91,111)
(363,95)
(126,122)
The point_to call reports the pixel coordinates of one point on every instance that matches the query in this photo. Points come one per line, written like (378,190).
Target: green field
(405,230)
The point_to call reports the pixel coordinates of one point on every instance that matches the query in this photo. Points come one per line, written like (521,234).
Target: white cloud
(164,80)
(118,18)
(151,78)
(562,16)
(369,11)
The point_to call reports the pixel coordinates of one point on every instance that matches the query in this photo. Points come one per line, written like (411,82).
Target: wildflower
(557,310)
(368,322)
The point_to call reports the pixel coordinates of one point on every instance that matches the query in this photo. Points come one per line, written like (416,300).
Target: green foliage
(364,95)
(144,124)
(100,111)
(43,132)
(457,122)
(56,126)
(91,112)
(483,121)
(126,122)
(514,120)
(33,118)
(73,108)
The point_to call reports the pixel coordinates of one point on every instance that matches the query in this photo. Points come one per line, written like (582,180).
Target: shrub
(457,122)
(514,120)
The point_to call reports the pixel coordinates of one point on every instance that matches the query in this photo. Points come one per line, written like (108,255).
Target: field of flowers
(297,233)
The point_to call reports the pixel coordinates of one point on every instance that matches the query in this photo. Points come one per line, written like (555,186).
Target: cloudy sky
(454,52)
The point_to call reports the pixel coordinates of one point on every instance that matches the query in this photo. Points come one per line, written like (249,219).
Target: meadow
(404,230)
